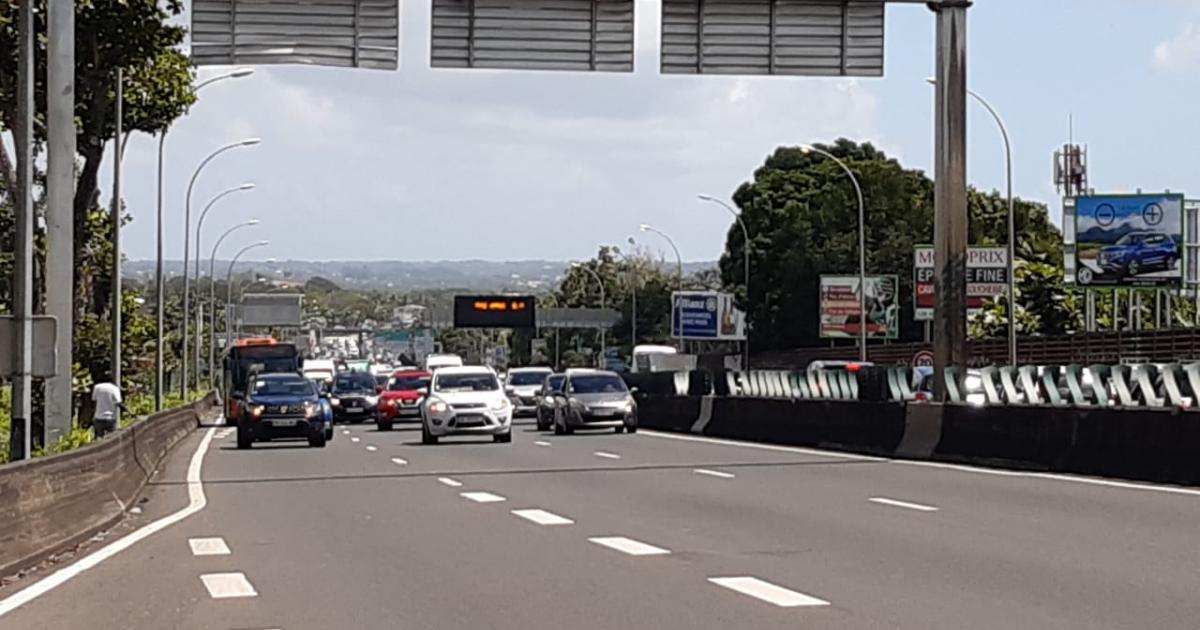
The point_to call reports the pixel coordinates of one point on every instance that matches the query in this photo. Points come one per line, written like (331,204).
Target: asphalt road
(604,531)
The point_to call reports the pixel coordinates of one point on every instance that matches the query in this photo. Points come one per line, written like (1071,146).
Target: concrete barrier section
(52,503)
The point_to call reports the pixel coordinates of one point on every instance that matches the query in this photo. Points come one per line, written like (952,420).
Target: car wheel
(385,425)
(503,438)
(318,440)
(631,428)
(329,434)
(244,439)
(1133,268)
(568,429)
(558,429)
(427,438)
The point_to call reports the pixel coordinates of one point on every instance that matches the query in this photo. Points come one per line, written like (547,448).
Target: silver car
(466,401)
(524,386)
(594,399)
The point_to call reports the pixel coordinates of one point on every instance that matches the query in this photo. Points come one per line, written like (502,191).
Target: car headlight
(372,400)
(629,406)
(335,402)
(257,410)
(312,409)
(437,406)
(501,405)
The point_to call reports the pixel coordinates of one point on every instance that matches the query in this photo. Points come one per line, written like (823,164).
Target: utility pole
(22,393)
(950,191)
(116,232)
(60,207)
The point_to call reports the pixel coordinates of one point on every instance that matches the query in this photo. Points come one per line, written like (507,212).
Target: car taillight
(921,397)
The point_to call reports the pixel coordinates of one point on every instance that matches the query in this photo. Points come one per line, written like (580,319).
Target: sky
(425,164)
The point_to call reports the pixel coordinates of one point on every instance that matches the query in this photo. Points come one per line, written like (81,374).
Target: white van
(649,358)
(319,369)
(435,361)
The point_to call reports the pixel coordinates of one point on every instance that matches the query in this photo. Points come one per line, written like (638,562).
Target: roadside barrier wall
(52,503)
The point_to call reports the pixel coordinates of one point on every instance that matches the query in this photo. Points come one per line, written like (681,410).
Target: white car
(466,401)
(523,386)
(435,362)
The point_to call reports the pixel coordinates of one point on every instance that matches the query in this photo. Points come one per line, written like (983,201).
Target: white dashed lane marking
(903,504)
(542,517)
(355,439)
(228,585)
(372,448)
(606,455)
(208,546)
(399,462)
(541,443)
(767,592)
(714,473)
(482,497)
(446,481)
(629,546)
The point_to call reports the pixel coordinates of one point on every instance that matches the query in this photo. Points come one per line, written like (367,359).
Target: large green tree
(802,215)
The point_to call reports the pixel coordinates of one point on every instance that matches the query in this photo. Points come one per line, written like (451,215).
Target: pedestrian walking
(109,405)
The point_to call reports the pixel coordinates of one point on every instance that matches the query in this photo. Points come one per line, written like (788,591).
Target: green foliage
(76,438)
(5,421)
(802,215)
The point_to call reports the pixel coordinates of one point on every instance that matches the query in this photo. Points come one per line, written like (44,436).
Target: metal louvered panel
(594,35)
(345,33)
(792,37)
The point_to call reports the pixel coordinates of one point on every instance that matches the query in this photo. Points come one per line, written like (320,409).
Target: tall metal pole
(678,260)
(745,267)
(633,287)
(212,299)
(22,394)
(599,281)
(199,229)
(862,249)
(950,190)
(116,231)
(187,222)
(229,288)
(60,208)
(159,281)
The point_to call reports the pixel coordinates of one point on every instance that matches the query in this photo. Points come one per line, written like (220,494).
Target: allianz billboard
(706,315)
(1128,240)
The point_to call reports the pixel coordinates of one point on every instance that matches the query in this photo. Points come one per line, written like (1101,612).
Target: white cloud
(1181,52)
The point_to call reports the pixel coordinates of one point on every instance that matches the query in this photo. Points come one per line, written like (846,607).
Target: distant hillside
(476,275)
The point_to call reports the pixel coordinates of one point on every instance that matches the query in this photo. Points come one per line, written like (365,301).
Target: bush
(5,421)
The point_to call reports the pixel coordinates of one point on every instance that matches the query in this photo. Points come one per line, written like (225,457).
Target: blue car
(1139,252)
(278,406)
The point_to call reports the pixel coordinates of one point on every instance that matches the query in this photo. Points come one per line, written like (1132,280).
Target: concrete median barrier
(52,503)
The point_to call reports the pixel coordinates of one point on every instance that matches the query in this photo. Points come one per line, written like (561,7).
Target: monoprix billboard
(1128,240)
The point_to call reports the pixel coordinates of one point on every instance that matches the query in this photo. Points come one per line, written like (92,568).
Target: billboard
(706,315)
(272,309)
(1128,240)
(494,311)
(987,278)
(840,307)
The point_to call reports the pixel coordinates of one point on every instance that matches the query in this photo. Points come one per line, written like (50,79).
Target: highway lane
(360,537)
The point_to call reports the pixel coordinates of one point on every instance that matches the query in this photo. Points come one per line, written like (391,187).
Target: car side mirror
(633,390)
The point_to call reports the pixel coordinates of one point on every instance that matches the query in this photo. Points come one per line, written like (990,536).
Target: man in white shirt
(109,404)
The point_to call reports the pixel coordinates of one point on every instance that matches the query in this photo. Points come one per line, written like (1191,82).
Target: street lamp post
(158,262)
(229,289)
(633,294)
(187,222)
(679,269)
(862,250)
(1012,224)
(745,265)
(196,274)
(599,281)
(212,298)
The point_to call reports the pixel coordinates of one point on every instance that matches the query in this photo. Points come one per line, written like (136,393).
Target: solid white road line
(372,448)
(761,447)
(399,462)
(446,481)
(629,546)
(208,546)
(541,443)
(196,502)
(606,455)
(903,504)
(767,592)
(542,517)
(228,585)
(355,439)
(714,473)
(482,497)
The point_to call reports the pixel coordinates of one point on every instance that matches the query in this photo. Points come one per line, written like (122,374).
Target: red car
(401,398)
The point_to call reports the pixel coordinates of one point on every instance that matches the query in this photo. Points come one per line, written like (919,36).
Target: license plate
(283,423)
(354,409)
(604,413)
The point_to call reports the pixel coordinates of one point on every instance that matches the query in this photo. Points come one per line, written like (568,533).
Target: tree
(802,215)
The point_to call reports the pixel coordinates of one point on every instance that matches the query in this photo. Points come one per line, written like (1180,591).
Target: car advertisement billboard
(1128,240)
(987,278)
(706,315)
(840,308)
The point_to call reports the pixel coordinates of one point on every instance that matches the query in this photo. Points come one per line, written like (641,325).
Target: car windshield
(296,386)
(354,383)
(381,379)
(472,382)
(554,383)
(408,383)
(519,379)
(1131,239)
(597,384)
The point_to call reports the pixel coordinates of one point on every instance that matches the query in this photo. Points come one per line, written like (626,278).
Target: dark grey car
(594,399)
